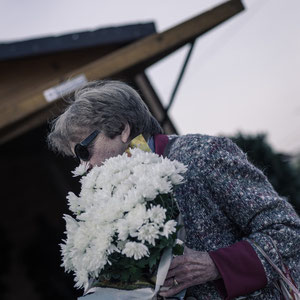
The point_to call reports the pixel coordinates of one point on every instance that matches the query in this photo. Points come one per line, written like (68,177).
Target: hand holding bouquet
(124,220)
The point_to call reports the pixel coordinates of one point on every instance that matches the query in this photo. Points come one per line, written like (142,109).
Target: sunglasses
(81,150)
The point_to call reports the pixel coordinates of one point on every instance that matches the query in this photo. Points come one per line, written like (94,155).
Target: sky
(243,76)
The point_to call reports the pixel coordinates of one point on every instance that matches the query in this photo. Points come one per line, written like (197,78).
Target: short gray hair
(105,105)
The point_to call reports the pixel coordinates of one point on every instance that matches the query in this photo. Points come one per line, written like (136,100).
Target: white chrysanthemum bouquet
(124,219)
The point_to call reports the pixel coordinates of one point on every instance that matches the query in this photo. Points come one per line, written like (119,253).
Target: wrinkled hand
(191,268)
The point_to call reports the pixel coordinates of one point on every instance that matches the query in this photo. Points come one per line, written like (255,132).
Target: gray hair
(104,105)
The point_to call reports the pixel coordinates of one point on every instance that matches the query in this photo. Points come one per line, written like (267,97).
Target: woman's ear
(125,134)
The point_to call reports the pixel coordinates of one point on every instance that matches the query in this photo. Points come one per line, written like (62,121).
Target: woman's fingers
(190,269)
(183,270)
(169,282)
(178,260)
(175,289)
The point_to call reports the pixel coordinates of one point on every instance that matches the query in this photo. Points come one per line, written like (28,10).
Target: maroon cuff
(241,270)
(161,142)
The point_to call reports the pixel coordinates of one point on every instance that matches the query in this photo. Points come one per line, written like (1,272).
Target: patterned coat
(225,200)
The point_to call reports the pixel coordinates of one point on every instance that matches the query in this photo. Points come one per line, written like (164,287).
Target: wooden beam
(134,57)
(152,100)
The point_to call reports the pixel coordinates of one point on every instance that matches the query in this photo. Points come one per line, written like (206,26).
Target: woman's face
(104,147)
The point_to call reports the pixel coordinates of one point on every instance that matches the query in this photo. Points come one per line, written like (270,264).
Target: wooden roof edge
(75,40)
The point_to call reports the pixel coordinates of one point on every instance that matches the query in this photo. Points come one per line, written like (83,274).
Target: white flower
(123,189)
(176,179)
(121,245)
(136,218)
(74,203)
(119,177)
(180,168)
(89,180)
(71,225)
(132,198)
(169,228)
(111,213)
(149,233)
(102,236)
(93,259)
(81,278)
(164,186)
(135,250)
(81,237)
(81,169)
(146,188)
(179,242)
(112,248)
(157,214)
(122,229)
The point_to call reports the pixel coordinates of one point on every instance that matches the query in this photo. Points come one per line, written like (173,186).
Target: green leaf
(141,263)
(125,276)
(115,276)
(135,274)
(152,261)
(178,249)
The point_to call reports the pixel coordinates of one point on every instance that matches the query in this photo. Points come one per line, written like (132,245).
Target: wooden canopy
(23,81)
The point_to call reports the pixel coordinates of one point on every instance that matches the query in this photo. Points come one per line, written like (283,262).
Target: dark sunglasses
(81,150)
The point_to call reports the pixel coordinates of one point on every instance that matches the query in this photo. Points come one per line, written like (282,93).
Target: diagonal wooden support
(133,59)
(152,100)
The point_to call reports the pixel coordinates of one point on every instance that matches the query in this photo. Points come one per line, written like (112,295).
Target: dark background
(34,184)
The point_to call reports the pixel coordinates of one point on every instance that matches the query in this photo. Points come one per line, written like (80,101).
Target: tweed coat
(225,200)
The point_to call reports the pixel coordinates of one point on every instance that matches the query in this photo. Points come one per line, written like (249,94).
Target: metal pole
(180,76)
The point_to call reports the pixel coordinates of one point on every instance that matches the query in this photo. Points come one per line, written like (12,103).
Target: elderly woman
(229,208)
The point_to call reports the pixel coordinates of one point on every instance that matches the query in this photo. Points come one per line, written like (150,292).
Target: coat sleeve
(250,202)
(240,268)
